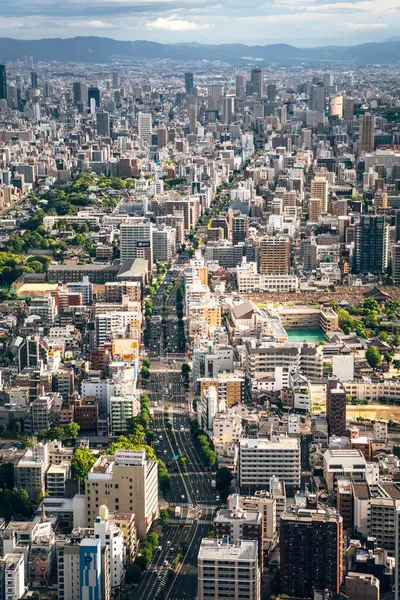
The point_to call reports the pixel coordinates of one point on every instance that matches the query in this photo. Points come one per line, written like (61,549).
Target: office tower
(94,93)
(189,83)
(371,253)
(227,571)
(396,263)
(144,126)
(34,80)
(336,106)
(228,109)
(275,256)
(77,92)
(103,123)
(317,98)
(164,243)
(240,228)
(314,209)
(260,459)
(306,138)
(131,485)
(193,118)
(3,83)
(397,225)
(328,79)
(214,100)
(240,87)
(319,189)
(257,82)
(348,109)
(115,80)
(366,134)
(311,551)
(162,137)
(271,92)
(136,241)
(336,407)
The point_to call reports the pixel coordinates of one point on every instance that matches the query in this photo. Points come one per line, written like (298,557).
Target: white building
(347,463)
(145,126)
(260,459)
(121,409)
(13,571)
(227,571)
(136,241)
(112,537)
(343,367)
(164,243)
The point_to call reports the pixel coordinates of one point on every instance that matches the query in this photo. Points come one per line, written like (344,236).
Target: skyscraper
(94,92)
(240,88)
(311,551)
(257,82)
(77,92)
(371,254)
(214,101)
(103,123)
(193,118)
(34,80)
(336,407)
(136,241)
(240,228)
(3,83)
(162,137)
(144,126)
(366,134)
(189,83)
(317,98)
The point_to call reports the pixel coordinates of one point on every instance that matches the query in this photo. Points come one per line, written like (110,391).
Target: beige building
(319,189)
(126,482)
(314,209)
(361,586)
(230,388)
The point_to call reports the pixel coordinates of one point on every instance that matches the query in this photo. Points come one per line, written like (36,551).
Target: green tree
(370,304)
(152,540)
(56,433)
(82,461)
(396,364)
(7,475)
(373,357)
(72,430)
(388,357)
(133,574)
(17,428)
(223,479)
(3,430)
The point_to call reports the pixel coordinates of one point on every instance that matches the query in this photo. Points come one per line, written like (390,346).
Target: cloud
(173,24)
(93,25)
(360,26)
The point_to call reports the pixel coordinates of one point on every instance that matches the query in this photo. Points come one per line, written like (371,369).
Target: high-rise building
(317,98)
(145,126)
(3,83)
(257,82)
(319,189)
(240,228)
(12,577)
(348,109)
(396,263)
(336,407)
(162,137)
(214,101)
(164,242)
(314,209)
(311,542)
(103,123)
(189,83)
(275,256)
(115,79)
(227,571)
(126,482)
(328,79)
(94,93)
(271,92)
(371,254)
(240,87)
(77,92)
(136,241)
(366,134)
(336,106)
(228,109)
(193,118)
(34,80)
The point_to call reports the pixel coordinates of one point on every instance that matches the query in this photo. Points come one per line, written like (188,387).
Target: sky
(303,23)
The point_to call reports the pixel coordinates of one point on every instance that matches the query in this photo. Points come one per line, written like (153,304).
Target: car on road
(160,437)
(183,497)
(165,452)
(159,548)
(169,543)
(166,563)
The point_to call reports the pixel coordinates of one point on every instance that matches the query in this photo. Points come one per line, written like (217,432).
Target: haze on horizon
(311,23)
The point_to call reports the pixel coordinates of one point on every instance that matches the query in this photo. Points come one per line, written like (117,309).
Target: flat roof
(284,443)
(218,550)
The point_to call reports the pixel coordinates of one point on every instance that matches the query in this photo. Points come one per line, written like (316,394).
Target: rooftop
(243,550)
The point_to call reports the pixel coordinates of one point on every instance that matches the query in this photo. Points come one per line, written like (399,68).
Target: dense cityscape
(199,331)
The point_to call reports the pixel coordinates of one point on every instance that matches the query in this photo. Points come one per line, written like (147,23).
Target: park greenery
(202,443)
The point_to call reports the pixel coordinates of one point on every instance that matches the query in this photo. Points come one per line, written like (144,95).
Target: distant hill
(106,50)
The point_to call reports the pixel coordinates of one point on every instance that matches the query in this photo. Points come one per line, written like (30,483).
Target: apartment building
(264,504)
(229,386)
(126,482)
(275,256)
(260,459)
(227,571)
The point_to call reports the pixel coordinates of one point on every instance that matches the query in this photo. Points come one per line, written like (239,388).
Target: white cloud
(173,24)
(360,26)
(92,25)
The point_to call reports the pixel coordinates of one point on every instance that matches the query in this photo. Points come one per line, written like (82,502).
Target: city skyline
(206,21)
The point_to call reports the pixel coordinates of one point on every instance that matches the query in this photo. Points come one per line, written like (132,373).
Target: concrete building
(137,241)
(227,571)
(349,463)
(126,482)
(371,253)
(319,189)
(366,135)
(274,256)
(122,408)
(164,243)
(336,407)
(112,537)
(261,459)
(144,127)
(310,551)
(12,576)
(264,504)
(30,471)
(361,586)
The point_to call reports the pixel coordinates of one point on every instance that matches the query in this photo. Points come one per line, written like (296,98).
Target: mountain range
(106,50)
